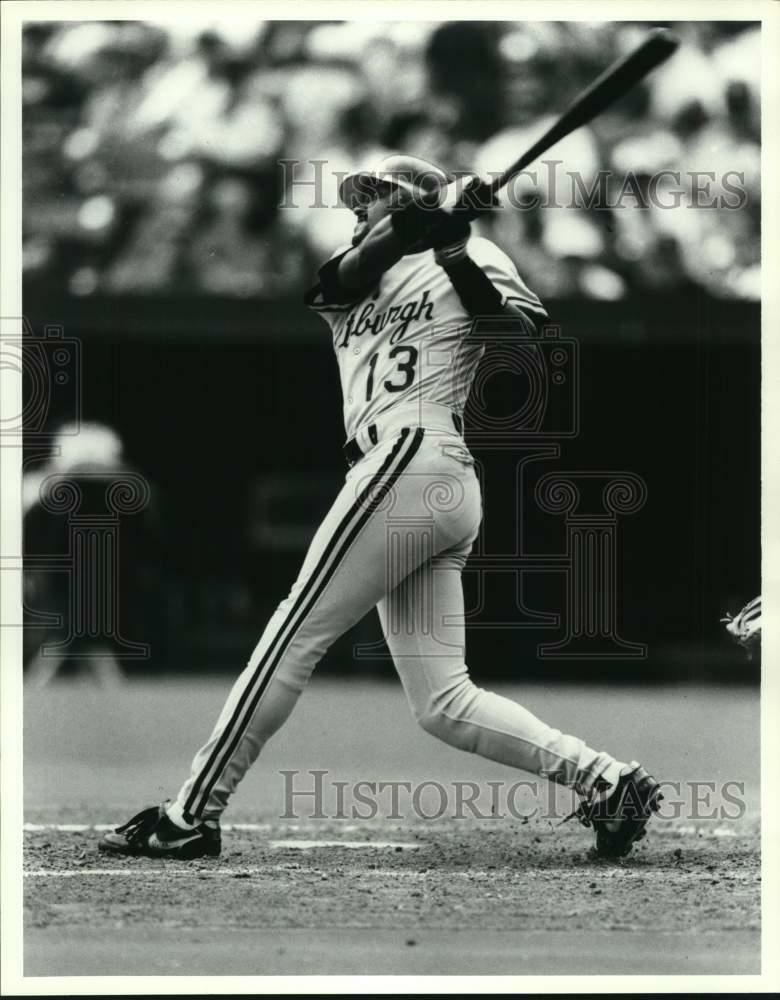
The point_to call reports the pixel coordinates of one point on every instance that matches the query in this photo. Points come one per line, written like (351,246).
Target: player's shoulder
(484,251)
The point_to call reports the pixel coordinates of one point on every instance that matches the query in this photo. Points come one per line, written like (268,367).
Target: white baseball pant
(396,538)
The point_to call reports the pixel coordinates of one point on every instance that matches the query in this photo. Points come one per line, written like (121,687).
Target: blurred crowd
(167,157)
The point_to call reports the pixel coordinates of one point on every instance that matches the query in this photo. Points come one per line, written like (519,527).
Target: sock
(176,815)
(611,774)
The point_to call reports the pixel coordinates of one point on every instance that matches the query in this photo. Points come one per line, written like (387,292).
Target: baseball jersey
(407,339)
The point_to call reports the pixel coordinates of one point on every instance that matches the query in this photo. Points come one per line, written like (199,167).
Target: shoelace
(584,811)
(141,824)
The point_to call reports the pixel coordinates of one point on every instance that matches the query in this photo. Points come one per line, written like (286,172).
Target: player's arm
(351,274)
(486,282)
(483,277)
(363,265)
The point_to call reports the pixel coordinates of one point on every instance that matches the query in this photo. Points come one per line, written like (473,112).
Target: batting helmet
(400,172)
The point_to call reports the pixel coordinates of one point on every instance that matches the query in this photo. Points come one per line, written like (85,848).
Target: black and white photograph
(384,400)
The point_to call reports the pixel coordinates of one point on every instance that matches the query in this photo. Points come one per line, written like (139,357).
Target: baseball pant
(397,538)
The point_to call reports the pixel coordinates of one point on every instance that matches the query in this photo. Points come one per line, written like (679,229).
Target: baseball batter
(400,303)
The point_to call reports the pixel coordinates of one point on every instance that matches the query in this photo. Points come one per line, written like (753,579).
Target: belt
(353,452)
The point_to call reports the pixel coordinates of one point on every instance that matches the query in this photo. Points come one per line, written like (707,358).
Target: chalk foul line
(663,829)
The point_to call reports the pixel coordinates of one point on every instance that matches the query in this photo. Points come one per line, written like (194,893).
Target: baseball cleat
(152,834)
(620,817)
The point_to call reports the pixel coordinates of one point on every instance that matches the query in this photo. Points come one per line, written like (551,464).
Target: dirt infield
(327,896)
(534,897)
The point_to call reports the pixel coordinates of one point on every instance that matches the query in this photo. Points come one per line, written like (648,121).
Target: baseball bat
(613,83)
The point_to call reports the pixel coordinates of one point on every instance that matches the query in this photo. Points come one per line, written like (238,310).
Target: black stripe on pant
(368,501)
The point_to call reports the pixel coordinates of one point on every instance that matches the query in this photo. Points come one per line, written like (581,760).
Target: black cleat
(152,834)
(619,819)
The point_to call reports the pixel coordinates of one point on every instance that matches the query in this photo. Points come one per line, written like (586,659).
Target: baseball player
(400,303)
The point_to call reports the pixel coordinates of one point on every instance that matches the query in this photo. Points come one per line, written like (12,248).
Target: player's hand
(469,197)
(412,223)
(465,198)
(449,238)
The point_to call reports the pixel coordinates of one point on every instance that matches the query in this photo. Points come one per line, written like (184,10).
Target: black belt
(353,452)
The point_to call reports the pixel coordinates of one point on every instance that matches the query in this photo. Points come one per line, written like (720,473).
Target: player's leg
(422,620)
(342,578)
(345,573)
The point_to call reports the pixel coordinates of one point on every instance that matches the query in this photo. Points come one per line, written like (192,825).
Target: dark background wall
(232,410)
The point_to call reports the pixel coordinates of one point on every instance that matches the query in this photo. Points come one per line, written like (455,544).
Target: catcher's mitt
(745,627)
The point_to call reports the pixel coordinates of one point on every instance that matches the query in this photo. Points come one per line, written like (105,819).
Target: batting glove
(412,222)
(745,627)
(459,201)
(469,198)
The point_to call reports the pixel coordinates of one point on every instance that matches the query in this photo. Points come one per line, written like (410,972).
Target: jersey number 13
(404,373)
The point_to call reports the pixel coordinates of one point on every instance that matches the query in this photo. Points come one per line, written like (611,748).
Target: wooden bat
(613,83)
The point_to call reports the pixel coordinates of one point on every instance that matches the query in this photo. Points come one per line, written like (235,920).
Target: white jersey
(407,341)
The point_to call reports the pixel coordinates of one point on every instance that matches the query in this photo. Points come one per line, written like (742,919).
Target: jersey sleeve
(504,276)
